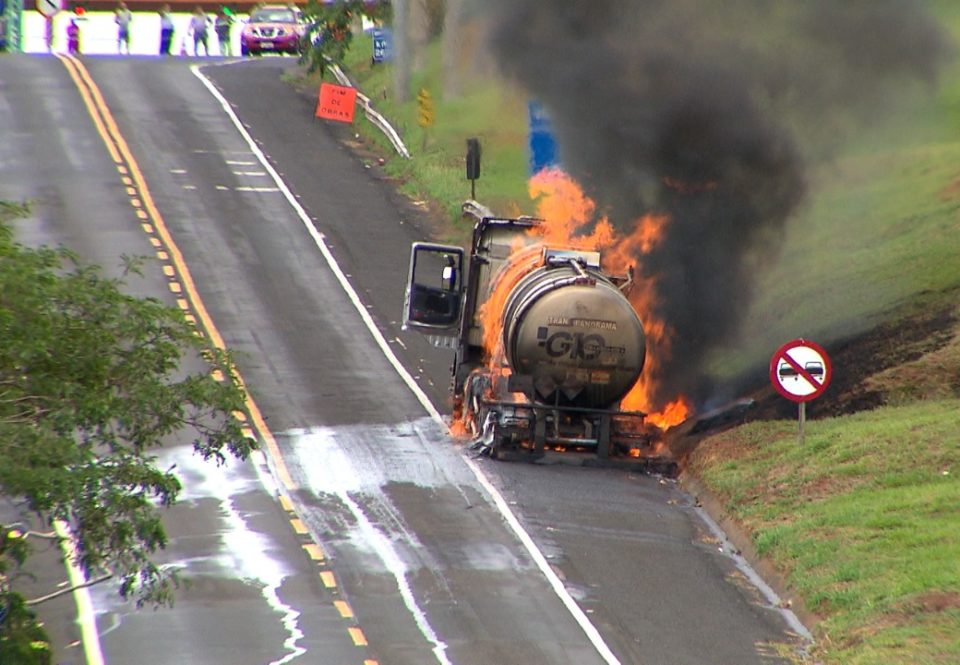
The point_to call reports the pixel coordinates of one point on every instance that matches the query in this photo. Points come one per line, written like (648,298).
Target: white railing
(378,120)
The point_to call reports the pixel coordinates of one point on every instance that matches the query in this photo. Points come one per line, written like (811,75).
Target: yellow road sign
(425,113)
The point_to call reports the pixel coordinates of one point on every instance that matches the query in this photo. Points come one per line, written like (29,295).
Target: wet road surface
(386,544)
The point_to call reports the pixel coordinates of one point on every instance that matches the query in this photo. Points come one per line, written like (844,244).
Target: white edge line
(581,618)
(81,595)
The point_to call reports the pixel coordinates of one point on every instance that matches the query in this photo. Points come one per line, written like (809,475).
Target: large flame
(570,221)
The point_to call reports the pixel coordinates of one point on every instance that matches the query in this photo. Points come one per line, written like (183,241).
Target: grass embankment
(491,111)
(864,518)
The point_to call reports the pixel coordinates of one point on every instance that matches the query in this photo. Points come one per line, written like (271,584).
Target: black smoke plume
(692,107)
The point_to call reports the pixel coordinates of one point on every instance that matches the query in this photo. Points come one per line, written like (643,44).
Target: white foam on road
(333,471)
(244,553)
(513,522)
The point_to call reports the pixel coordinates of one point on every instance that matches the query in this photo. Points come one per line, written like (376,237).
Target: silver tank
(575,335)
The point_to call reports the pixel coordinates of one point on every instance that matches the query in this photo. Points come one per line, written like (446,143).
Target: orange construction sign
(336,102)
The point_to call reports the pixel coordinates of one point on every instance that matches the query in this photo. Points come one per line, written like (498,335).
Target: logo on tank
(578,346)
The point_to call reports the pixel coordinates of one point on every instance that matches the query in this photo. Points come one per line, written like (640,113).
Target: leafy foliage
(331,25)
(92,380)
(22,639)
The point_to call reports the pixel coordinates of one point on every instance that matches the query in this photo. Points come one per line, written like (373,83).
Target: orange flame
(568,213)
(672,414)
(523,259)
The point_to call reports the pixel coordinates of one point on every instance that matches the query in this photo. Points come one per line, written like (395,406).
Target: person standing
(198,27)
(123,18)
(166,30)
(48,33)
(73,37)
(222,26)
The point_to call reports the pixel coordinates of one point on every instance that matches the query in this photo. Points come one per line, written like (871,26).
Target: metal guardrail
(378,120)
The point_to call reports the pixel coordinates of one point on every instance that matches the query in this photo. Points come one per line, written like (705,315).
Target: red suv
(273,28)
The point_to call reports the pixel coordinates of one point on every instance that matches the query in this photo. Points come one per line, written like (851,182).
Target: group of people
(198,29)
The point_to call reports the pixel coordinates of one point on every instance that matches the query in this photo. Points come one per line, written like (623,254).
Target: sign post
(473,165)
(800,370)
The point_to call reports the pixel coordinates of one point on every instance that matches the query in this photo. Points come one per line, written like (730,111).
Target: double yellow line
(182,285)
(174,267)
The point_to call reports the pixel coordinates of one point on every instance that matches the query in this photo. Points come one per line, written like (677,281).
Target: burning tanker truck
(546,344)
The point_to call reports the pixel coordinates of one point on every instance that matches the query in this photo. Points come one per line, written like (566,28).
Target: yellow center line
(299,527)
(343,608)
(168,251)
(359,639)
(315,552)
(72,69)
(328,579)
(111,134)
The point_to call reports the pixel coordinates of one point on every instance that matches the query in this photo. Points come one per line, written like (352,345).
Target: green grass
(864,518)
(879,230)
(492,112)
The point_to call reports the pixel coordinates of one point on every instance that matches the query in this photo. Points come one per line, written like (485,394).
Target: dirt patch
(939,601)
(931,604)
(917,357)
(881,351)
(951,192)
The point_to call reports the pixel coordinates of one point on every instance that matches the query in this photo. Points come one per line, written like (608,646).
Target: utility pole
(401,51)
(450,48)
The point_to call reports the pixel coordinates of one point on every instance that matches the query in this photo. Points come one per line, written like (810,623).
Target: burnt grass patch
(855,360)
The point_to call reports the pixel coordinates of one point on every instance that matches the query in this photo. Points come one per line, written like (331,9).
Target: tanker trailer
(546,344)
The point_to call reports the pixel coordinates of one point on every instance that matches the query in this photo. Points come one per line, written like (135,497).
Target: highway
(362,534)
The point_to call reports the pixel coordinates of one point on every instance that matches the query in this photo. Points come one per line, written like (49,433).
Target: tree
(330,28)
(91,381)
(401,52)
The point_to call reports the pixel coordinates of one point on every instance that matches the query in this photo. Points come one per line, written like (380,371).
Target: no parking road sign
(800,370)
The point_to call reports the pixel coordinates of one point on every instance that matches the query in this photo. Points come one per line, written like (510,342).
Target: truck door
(432,303)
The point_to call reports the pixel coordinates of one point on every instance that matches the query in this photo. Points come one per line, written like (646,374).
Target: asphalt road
(387,546)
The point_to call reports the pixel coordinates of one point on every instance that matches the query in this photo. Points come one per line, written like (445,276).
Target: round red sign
(800,370)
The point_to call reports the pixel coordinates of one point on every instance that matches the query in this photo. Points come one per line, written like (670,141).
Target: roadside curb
(743,543)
